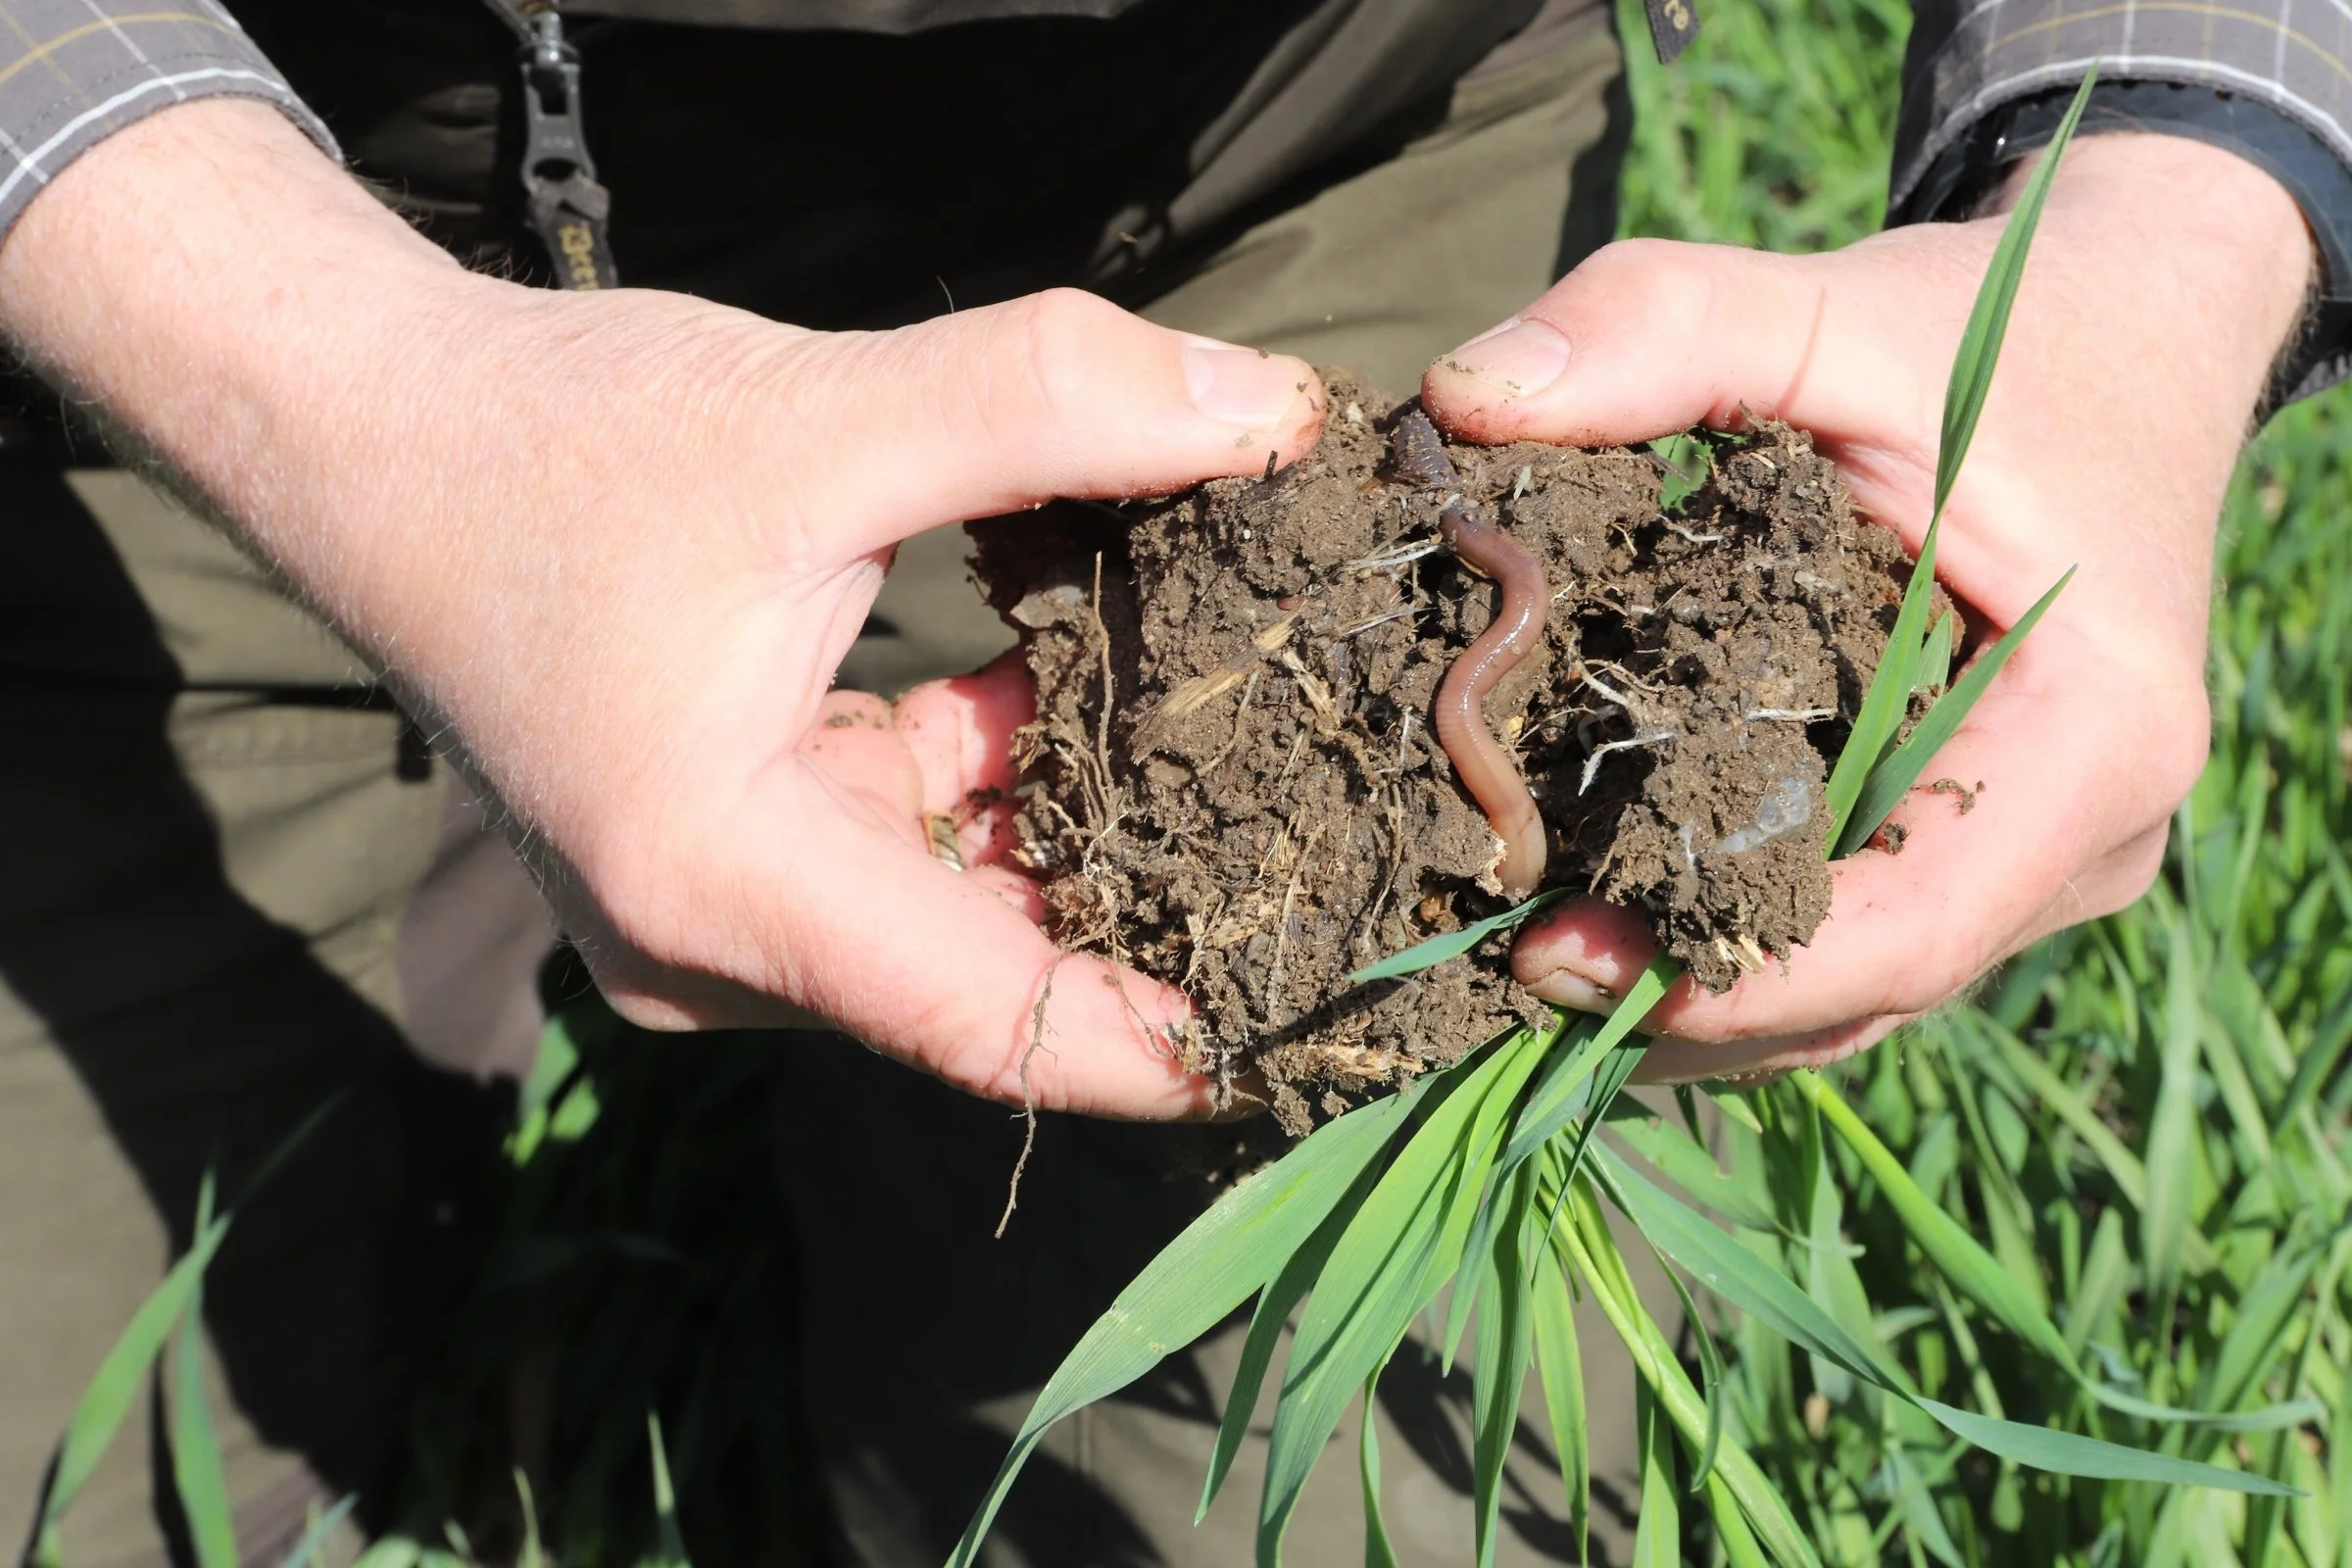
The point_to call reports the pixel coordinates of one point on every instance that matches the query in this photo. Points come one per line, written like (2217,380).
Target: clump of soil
(1235,786)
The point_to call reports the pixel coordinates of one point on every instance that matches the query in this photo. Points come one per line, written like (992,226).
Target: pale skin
(614,545)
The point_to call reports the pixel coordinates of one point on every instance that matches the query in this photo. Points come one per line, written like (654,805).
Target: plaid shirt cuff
(74,72)
(1970,57)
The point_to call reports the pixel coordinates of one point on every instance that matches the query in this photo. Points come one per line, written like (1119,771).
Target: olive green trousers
(236,892)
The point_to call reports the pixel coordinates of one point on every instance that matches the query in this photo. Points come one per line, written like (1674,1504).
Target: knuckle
(1054,334)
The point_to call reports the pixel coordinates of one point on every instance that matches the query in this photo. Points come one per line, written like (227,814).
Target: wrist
(2206,240)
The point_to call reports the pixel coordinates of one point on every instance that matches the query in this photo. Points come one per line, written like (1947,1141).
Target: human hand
(2163,282)
(613,546)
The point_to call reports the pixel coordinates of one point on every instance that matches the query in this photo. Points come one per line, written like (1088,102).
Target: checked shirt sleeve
(1970,57)
(74,72)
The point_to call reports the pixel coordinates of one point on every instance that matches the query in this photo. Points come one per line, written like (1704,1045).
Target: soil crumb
(1234,783)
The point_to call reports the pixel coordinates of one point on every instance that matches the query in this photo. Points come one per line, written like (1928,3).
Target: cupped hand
(644,673)
(2163,282)
(613,546)
(726,832)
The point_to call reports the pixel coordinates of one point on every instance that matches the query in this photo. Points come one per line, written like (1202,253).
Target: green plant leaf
(1935,668)
(1377,1554)
(1746,1282)
(1560,1369)
(314,1539)
(1988,319)
(2163,1218)
(1453,944)
(196,1471)
(108,1399)
(1562,1080)
(534,1552)
(1505,1345)
(1955,1253)
(1888,699)
(1920,1514)
(665,1500)
(1658,1523)
(1883,790)
(1388,1265)
(1584,1243)
(1739,1547)
(1275,1304)
(1710,1379)
(1232,1250)
(1691,1167)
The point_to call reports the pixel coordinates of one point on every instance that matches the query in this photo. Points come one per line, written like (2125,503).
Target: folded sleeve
(1970,57)
(74,72)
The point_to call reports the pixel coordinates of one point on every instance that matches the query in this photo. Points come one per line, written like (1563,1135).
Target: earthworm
(1483,766)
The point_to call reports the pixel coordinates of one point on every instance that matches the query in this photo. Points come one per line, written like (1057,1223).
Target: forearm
(382,425)
(245,311)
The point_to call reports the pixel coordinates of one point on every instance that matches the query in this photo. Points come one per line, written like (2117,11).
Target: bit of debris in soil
(1234,784)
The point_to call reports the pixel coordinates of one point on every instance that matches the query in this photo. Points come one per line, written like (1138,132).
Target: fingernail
(1247,387)
(1572,991)
(1523,356)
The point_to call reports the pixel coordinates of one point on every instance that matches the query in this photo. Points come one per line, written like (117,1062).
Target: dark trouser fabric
(208,834)
(234,887)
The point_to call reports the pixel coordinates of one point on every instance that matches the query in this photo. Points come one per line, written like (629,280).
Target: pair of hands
(617,544)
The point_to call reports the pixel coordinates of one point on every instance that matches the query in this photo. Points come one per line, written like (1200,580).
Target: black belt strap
(567,209)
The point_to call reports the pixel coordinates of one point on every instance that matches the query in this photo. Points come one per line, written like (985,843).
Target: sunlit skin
(2163,282)
(629,622)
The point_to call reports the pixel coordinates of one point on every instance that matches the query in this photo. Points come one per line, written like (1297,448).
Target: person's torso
(760,153)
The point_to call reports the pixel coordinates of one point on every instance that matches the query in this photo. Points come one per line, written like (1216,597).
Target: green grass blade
(1453,944)
(1658,1526)
(100,1412)
(1586,1243)
(1988,319)
(108,1399)
(1739,1542)
(1736,1274)
(196,1470)
(1711,1379)
(1536,1128)
(1935,670)
(2105,1277)
(1377,1554)
(534,1552)
(1560,1369)
(1561,1080)
(1691,1168)
(1955,1253)
(314,1539)
(1920,1514)
(1218,1263)
(1388,1265)
(1888,697)
(1506,1344)
(1887,784)
(665,1500)
(2069,1453)
(1746,1282)
(1274,1303)
(2163,1218)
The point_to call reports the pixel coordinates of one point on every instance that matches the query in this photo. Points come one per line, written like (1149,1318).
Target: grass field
(2143,1120)
(2146,1117)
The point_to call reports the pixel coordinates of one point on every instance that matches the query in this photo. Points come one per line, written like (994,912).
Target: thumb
(1053,394)
(1651,336)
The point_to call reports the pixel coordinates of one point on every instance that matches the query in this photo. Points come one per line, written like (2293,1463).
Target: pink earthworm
(1486,769)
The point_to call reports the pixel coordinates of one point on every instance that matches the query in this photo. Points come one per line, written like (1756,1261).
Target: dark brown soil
(1234,785)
